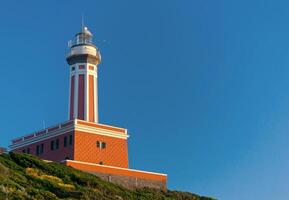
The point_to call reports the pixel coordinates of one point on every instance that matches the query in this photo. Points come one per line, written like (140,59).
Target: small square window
(81,67)
(72,68)
(101,163)
(103,145)
(23,151)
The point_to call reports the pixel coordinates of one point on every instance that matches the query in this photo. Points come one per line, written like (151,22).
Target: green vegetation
(24,176)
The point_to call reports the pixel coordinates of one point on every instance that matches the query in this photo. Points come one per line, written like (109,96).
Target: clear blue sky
(202,86)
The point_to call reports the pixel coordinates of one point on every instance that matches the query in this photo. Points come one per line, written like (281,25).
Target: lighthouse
(82,142)
(83,59)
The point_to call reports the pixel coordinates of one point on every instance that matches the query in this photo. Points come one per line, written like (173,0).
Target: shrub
(24,176)
(66,186)
(50,178)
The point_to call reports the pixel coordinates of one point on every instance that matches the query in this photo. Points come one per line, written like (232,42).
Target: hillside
(26,177)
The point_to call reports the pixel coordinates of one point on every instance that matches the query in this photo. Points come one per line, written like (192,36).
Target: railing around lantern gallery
(72,43)
(92,50)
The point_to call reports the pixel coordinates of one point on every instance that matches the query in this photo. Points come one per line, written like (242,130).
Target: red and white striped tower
(83,59)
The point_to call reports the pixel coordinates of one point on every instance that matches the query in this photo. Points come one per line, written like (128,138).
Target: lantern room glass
(83,38)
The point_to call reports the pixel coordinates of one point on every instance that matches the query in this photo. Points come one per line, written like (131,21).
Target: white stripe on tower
(86,93)
(75,114)
(69,96)
(95,95)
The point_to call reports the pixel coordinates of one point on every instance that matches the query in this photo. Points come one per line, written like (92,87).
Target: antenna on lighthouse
(82,21)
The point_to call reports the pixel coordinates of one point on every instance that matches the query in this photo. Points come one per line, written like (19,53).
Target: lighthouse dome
(86,31)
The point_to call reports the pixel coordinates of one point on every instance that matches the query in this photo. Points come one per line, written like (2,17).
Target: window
(101,163)
(101,145)
(52,145)
(65,141)
(37,150)
(70,140)
(26,151)
(57,144)
(72,68)
(41,148)
(81,67)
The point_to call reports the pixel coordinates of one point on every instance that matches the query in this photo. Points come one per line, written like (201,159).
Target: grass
(24,176)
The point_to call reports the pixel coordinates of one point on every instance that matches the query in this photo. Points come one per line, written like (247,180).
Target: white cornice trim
(99,131)
(107,166)
(75,126)
(42,137)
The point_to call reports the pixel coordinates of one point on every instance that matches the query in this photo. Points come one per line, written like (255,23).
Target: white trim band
(107,166)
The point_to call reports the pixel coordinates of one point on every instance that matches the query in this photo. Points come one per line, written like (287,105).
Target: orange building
(82,142)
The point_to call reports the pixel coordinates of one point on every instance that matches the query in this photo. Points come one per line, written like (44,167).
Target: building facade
(82,142)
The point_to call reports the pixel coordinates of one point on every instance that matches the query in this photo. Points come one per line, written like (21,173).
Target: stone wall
(131,182)
(129,178)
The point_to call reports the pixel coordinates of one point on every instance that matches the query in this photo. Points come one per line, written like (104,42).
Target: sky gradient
(201,86)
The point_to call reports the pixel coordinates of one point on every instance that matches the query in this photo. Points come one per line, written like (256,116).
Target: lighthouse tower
(83,59)
(82,142)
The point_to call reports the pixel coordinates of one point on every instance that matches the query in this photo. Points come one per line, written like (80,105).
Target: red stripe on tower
(91,98)
(71,98)
(81,97)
